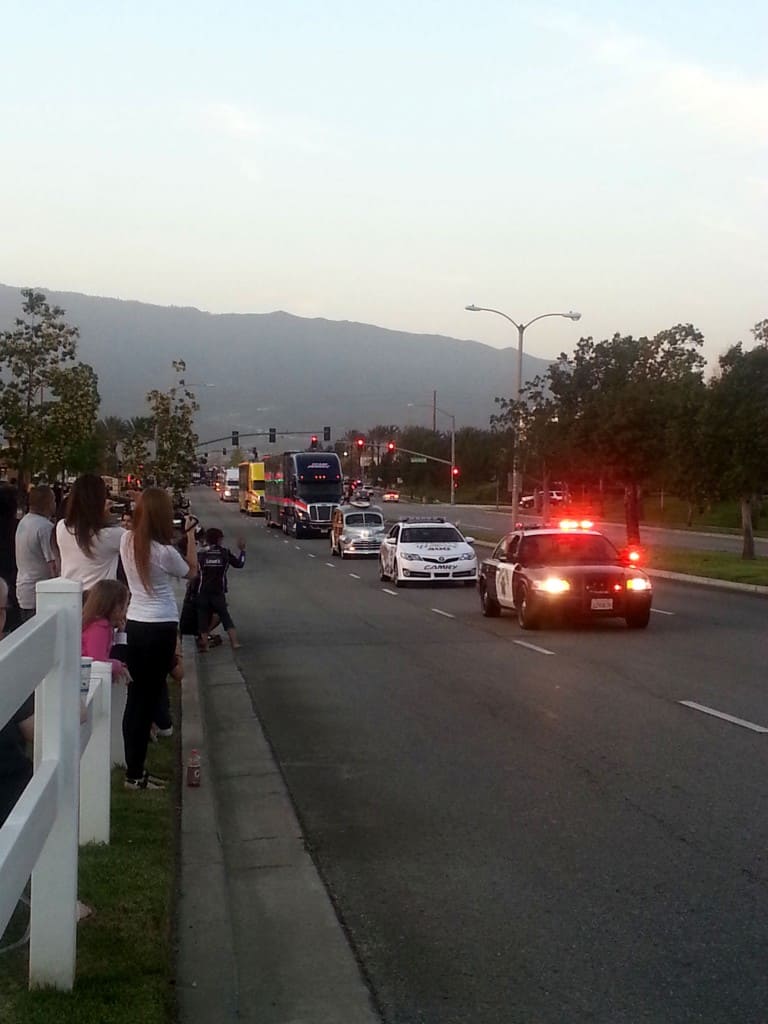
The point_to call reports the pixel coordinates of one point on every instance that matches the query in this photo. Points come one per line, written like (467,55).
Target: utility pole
(434,412)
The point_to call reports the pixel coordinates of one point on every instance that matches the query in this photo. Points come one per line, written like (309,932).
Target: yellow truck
(252,488)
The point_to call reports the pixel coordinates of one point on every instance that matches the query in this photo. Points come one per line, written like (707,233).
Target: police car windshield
(430,535)
(567,549)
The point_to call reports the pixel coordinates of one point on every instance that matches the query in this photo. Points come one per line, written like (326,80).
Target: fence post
(95,766)
(52,944)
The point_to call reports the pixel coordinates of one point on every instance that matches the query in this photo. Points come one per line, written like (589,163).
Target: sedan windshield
(364,519)
(567,549)
(430,535)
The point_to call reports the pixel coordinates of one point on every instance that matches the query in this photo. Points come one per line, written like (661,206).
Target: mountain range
(252,371)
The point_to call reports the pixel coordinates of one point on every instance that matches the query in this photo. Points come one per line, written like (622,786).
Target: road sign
(418,458)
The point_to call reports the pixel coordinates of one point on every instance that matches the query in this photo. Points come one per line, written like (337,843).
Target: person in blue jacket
(211,586)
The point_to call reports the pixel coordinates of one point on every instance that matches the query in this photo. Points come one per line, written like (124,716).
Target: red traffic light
(454,471)
(390,446)
(360,442)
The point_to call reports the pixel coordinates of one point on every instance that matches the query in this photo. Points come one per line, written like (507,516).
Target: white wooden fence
(68,796)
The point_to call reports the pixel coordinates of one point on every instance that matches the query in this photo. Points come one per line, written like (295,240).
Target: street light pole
(521,328)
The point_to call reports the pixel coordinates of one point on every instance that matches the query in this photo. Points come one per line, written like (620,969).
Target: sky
(391,163)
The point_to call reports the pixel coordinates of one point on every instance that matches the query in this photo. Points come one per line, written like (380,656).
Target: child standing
(104,612)
(211,597)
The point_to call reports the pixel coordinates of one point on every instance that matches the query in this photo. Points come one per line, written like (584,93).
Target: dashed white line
(439,611)
(354,576)
(660,611)
(532,647)
(297,546)
(310,555)
(392,592)
(330,565)
(721,714)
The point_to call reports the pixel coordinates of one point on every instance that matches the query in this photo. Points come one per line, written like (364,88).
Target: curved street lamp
(521,328)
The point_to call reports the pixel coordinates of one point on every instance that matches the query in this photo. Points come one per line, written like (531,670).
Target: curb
(207,984)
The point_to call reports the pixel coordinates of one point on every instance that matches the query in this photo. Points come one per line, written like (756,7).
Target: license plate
(602,604)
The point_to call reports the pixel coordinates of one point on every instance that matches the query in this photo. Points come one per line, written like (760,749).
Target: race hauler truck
(252,488)
(301,491)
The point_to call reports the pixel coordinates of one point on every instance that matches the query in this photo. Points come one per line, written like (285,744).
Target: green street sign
(418,458)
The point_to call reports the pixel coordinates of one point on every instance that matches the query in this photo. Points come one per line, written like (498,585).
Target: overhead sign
(418,458)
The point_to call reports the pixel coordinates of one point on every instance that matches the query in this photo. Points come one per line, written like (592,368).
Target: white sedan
(427,550)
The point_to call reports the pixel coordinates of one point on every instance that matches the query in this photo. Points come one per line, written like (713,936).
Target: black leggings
(149,657)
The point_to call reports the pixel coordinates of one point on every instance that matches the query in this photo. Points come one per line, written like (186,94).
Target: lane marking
(331,565)
(285,542)
(721,714)
(392,592)
(659,611)
(297,546)
(354,576)
(310,555)
(532,647)
(439,611)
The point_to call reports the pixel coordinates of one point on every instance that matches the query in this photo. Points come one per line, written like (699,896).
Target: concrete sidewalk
(258,937)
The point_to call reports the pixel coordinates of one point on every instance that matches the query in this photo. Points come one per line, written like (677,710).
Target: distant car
(427,550)
(229,492)
(568,572)
(390,496)
(529,500)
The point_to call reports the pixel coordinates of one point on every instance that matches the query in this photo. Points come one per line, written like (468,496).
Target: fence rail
(68,797)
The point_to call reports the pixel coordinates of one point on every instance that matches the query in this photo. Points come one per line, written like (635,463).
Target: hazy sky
(390,163)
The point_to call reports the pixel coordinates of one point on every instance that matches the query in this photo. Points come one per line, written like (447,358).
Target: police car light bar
(576,524)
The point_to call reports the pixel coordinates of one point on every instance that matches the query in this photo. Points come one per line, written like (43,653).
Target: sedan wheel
(382,574)
(490,606)
(527,615)
(396,576)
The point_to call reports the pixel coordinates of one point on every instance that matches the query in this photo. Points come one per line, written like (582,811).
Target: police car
(569,570)
(427,550)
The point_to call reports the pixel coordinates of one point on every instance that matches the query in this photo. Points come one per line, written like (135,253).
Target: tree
(33,356)
(175,440)
(737,425)
(112,431)
(70,441)
(613,399)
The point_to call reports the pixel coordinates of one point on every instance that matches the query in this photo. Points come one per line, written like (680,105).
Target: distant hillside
(275,369)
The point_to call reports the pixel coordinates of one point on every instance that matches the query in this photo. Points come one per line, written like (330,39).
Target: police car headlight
(638,583)
(408,556)
(552,585)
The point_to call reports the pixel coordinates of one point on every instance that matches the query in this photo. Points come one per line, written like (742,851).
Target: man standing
(35,553)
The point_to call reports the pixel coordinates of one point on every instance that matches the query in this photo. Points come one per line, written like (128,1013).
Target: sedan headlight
(409,556)
(552,585)
(468,556)
(638,583)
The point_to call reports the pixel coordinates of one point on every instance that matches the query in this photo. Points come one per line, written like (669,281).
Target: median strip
(721,714)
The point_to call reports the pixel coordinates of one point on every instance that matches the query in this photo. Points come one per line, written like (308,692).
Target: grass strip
(125,952)
(717,565)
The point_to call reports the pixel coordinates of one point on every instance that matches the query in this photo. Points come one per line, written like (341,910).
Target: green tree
(613,399)
(737,426)
(33,354)
(70,440)
(175,439)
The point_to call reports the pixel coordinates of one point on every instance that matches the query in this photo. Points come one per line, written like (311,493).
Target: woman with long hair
(151,563)
(88,545)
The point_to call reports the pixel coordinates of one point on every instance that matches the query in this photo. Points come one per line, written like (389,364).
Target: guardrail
(68,796)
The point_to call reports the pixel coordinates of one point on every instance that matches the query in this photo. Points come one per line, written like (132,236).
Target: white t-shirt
(34,550)
(165,564)
(101,564)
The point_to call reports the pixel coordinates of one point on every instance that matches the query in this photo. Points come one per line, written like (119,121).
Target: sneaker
(164,732)
(146,781)
(214,640)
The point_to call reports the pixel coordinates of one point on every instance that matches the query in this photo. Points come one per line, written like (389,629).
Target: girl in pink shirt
(103,612)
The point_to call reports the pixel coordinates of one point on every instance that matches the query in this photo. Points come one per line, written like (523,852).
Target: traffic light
(326,434)
(391,446)
(360,442)
(272,435)
(455,476)
(235,438)
(313,442)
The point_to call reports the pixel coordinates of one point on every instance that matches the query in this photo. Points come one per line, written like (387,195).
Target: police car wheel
(490,607)
(527,615)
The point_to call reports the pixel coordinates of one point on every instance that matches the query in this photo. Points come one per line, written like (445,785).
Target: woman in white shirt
(88,546)
(151,563)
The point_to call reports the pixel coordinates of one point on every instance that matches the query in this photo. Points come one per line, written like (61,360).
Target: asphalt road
(519,827)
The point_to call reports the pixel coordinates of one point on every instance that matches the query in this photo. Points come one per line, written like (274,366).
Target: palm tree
(112,431)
